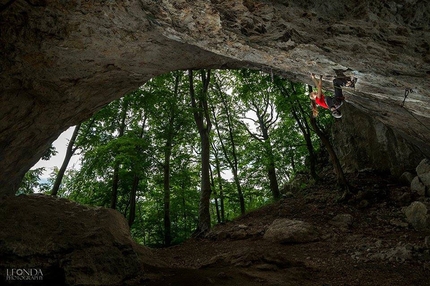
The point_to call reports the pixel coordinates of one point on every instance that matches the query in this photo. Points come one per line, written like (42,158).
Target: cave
(62,61)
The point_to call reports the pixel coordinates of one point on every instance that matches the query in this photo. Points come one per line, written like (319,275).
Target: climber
(327,102)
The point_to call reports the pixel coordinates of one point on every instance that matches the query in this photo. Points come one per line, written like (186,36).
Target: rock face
(71,244)
(365,142)
(64,60)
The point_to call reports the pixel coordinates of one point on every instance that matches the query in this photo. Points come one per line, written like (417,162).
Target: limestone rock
(423,167)
(425,179)
(342,220)
(64,60)
(70,243)
(416,215)
(418,186)
(291,231)
(364,142)
(407,178)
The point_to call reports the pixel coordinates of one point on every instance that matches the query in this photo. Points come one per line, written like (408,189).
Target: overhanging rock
(64,60)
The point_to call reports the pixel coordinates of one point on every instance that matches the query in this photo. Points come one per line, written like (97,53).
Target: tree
(199,103)
(115,179)
(70,151)
(258,99)
(340,175)
(231,157)
(149,152)
(294,104)
(31,182)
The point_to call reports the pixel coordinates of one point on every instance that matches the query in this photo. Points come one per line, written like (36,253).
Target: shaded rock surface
(364,142)
(417,215)
(64,60)
(423,167)
(421,183)
(71,244)
(343,220)
(291,231)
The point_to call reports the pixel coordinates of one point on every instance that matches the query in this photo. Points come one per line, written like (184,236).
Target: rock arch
(63,60)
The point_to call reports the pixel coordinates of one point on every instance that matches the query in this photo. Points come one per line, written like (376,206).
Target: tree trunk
(341,179)
(204,214)
(233,163)
(133,193)
(115,178)
(167,221)
(202,119)
(304,127)
(69,153)
(221,194)
(273,182)
(239,191)
(115,181)
(271,169)
(218,215)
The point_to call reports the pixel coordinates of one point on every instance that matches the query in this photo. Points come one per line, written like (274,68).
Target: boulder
(70,243)
(291,231)
(418,187)
(423,167)
(407,178)
(425,179)
(342,220)
(416,215)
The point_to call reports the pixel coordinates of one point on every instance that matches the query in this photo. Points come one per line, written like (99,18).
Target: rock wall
(71,244)
(64,60)
(364,142)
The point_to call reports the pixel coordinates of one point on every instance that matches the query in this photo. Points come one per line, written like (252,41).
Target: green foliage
(51,151)
(254,128)
(32,182)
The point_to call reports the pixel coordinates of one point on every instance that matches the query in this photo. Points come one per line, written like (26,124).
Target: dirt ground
(377,247)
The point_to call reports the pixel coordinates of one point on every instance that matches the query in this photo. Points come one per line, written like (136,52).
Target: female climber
(327,102)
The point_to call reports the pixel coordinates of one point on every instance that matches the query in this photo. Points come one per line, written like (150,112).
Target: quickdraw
(407,91)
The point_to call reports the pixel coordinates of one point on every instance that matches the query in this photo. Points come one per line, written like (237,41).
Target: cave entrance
(145,148)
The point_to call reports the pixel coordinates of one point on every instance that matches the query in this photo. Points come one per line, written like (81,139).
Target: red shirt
(321,101)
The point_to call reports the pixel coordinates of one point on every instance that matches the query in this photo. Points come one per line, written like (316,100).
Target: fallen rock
(423,167)
(70,243)
(418,187)
(342,220)
(425,179)
(416,215)
(291,231)
(407,178)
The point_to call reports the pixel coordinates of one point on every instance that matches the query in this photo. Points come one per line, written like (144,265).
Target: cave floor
(379,248)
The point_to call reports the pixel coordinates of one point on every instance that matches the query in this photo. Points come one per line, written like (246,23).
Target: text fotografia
(30,274)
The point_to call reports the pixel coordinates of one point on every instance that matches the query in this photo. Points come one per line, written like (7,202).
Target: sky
(61,145)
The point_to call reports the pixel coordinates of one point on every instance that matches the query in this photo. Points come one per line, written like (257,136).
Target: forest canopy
(190,149)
